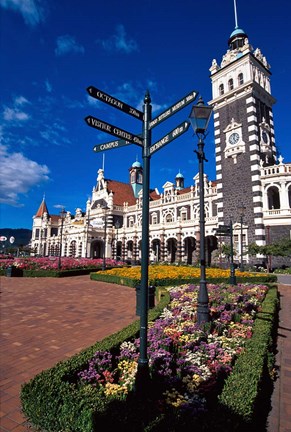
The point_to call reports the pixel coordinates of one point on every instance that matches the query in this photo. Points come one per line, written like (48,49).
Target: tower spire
(235,14)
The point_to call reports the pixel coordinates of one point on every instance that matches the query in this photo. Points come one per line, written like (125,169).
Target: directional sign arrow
(175,133)
(116,103)
(174,108)
(111,145)
(113,130)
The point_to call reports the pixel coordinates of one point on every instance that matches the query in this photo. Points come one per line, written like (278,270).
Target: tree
(280,248)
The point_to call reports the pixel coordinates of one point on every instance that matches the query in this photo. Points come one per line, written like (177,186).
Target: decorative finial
(235,14)
(147,98)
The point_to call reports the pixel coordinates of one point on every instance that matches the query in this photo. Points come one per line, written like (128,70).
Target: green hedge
(121,280)
(58,273)
(53,402)
(247,387)
(17,272)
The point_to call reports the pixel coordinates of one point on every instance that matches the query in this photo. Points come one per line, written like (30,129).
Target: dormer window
(240,79)
(230,84)
(221,89)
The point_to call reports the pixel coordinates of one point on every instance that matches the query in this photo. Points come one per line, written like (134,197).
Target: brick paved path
(46,320)
(280,416)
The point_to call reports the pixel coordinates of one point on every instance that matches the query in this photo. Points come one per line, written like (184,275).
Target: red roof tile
(42,209)
(122,192)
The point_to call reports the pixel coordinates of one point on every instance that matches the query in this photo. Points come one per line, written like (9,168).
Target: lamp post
(87,234)
(199,117)
(269,257)
(104,243)
(241,209)
(62,214)
(232,279)
(117,226)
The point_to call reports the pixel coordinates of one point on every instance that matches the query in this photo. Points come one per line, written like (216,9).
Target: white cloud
(18,175)
(119,42)
(48,86)
(32,10)
(15,113)
(10,114)
(20,100)
(67,44)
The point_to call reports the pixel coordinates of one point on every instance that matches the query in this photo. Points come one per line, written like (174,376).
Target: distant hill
(22,235)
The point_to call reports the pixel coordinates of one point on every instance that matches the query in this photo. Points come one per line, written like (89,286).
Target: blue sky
(52,50)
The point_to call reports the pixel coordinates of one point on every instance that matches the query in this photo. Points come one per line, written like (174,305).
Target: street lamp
(62,214)
(199,118)
(241,209)
(232,279)
(117,226)
(104,243)
(87,234)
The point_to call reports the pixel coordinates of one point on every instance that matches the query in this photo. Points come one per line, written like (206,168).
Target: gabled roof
(122,192)
(42,209)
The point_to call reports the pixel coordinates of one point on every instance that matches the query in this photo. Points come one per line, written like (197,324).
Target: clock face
(234,138)
(265,137)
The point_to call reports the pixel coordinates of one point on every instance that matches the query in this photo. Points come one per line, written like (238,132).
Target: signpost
(142,378)
(224,230)
(113,130)
(116,103)
(175,133)
(111,145)
(174,109)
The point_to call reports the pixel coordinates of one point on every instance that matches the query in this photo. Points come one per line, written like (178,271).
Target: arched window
(273,198)
(240,79)
(230,84)
(221,89)
(169,218)
(73,248)
(289,196)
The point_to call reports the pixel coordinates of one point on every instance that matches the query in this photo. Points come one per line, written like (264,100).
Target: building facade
(252,189)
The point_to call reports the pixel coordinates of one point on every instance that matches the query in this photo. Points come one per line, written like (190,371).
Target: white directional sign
(113,130)
(175,133)
(111,145)
(174,108)
(116,103)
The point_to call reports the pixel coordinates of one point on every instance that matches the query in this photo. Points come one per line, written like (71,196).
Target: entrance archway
(156,250)
(210,246)
(97,249)
(190,247)
(171,249)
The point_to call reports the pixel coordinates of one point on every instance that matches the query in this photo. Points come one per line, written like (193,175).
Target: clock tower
(244,134)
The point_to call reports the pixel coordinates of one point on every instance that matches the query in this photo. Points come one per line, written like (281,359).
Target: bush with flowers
(45,265)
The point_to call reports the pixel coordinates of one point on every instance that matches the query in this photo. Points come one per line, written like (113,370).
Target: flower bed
(161,275)
(188,366)
(47,266)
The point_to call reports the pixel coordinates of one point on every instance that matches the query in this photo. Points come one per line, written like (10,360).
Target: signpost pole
(142,378)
